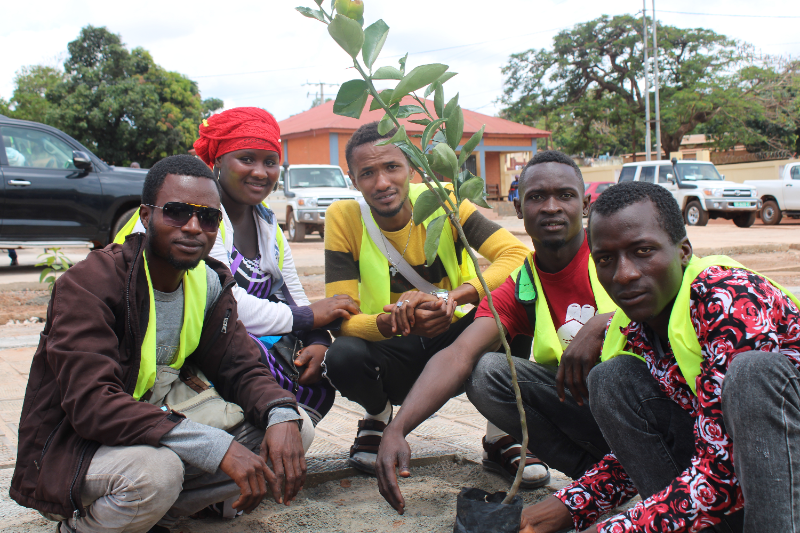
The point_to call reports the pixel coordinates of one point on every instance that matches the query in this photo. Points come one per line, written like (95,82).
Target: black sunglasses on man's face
(178,214)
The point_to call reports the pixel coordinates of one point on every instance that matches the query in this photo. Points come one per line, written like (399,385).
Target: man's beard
(554,245)
(171,259)
(392,212)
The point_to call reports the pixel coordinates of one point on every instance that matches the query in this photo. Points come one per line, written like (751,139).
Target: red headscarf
(237,129)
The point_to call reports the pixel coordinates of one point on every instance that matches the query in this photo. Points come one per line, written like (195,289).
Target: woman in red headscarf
(243,147)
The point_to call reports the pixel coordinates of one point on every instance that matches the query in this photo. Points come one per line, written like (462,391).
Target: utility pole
(321,89)
(656,83)
(647,141)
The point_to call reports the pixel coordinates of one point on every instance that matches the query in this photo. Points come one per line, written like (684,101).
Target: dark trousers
(653,437)
(372,373)
(562,434)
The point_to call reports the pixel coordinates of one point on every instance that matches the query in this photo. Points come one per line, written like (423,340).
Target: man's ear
(586,204)
(518,207)
(353,180)
(686,252)
(145,212)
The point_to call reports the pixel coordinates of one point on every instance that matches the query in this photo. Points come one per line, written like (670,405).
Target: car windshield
(316,177)
(696,171)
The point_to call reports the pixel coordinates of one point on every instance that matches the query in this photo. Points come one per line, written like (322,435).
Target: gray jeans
(562,434)
(653,437)
(131,488)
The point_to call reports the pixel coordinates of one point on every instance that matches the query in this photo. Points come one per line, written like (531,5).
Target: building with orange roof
(318,136)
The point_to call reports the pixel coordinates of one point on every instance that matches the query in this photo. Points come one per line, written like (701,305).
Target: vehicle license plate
(741,204)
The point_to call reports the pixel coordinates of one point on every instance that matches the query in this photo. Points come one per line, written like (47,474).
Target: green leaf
(406,111)
(319,2)
(439,137)
(44,273)
(429,130)
(417,78)
(387,73)
(470,145)
(374,38)
(472,190)
(347,33)
(402,62)
(421,121)
(399,136)
(427,203)
(51,260)
(311,13)
(455,127)
(444,161)
(351,98)
(438,99)
(385,94)
(434,233)
(385,125)
(451,105)
(443,78)
(414,155)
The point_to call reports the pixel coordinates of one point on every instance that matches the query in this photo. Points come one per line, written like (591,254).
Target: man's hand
(547,516)
(311,358)
(329,309)
(580,357)
(283,447)
(402,318)
(422,314)
(248,471)
(393,453)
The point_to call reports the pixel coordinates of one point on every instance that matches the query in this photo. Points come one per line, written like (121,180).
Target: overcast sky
(261,53)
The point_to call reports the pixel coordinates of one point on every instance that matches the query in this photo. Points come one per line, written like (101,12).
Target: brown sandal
(367,444)
(506,462)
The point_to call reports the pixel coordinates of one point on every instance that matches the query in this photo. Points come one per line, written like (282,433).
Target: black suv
(56,192)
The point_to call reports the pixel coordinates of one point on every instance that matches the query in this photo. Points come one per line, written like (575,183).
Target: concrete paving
(456,430)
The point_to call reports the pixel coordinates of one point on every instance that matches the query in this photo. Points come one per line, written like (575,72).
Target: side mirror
(723,177)
(81,160)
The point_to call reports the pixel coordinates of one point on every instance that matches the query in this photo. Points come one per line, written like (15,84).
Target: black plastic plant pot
(478,511)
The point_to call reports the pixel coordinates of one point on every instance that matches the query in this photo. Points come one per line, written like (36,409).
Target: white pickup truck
(309,190)
(781,197)
(701,192)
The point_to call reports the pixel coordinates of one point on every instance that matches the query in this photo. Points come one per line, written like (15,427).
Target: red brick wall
(310,150)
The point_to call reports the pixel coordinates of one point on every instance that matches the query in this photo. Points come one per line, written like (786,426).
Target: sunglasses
(178,214)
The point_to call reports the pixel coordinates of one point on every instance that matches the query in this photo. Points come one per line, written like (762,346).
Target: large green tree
(589,85)
(120,103)
(32,84)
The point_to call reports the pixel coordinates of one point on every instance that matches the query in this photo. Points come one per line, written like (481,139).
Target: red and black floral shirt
(733,311)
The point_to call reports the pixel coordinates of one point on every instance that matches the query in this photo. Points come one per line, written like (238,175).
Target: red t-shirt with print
(569,296)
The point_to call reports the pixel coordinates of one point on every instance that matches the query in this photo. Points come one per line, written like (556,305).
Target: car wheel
(695,215)
(297,231)
(122,220)
(322,232)
(770,214)
(745,220)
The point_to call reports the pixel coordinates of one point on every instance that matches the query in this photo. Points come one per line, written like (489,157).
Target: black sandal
(506,462)
(367,444)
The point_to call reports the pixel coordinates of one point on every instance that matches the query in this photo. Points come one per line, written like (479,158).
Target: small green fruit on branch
(353,9)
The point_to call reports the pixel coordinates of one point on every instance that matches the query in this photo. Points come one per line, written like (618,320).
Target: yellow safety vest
(546,348)
(681,332)
(195,286)
(127,229)
(374,285)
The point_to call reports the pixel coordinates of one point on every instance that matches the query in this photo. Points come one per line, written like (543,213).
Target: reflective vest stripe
(195,288)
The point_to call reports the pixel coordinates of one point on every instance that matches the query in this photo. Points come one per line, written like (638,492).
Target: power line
(732,15)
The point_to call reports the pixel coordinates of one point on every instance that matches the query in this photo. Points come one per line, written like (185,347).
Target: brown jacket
(83,373)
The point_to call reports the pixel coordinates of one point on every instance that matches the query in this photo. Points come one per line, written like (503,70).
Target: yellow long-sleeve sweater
(343,233)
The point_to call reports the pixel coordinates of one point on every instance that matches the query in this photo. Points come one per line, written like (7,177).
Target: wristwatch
(442,294)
